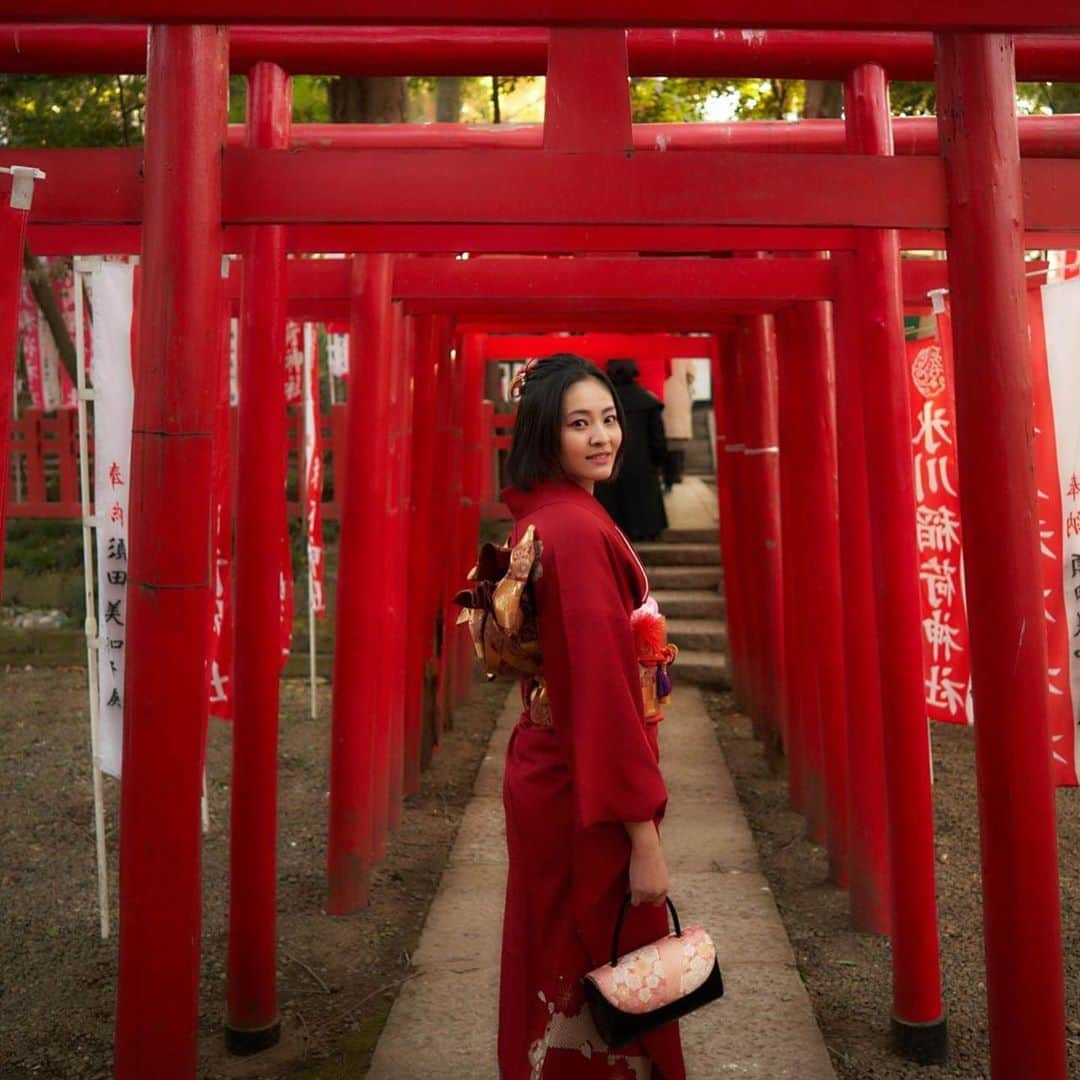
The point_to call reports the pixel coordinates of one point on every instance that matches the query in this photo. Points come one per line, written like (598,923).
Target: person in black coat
(633,498)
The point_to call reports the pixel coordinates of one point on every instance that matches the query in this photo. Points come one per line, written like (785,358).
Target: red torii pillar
(472,414)
(429,333)
(791,419)
(447,508)
(1017,818)
(724,500)
(157,1013)
(738,406)
(919,1026)
(398,555)
(865,101)
(359,630)
(814,593)
(252,1023)
(729,461)
(757,374)
(458,648)
(383,517)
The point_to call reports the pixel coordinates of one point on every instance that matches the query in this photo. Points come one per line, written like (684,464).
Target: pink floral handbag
(653,985)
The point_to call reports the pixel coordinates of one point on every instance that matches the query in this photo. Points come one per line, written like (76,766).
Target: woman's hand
(649,881)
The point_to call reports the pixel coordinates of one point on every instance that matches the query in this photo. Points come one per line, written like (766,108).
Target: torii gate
(578,187)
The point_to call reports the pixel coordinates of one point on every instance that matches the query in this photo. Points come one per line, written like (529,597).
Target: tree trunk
(824,99)
(448,99)
(37,277)
(368,100)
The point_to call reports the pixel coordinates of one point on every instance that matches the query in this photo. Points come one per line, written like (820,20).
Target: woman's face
(591,435)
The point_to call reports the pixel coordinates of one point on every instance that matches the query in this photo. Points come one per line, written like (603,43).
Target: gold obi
(537,705)
(498,608)
(499,611)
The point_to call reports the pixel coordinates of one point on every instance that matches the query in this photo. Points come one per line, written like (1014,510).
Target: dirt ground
(848,974)
(336,976)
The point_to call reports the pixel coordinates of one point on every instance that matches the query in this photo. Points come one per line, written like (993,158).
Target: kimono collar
(522,503)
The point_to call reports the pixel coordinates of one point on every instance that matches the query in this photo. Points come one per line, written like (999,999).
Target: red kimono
(574,773)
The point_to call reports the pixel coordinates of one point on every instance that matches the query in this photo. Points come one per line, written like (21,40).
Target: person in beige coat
(678,418)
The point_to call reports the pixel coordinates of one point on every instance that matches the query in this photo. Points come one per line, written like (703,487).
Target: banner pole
(309,449)
(82,267)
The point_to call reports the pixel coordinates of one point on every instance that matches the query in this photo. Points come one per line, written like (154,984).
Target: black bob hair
(622,371)
(535,449)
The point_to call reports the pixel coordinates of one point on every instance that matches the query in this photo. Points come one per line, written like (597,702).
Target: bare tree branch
(37,277)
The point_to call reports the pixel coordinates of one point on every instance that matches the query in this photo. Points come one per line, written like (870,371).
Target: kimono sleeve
(593,680)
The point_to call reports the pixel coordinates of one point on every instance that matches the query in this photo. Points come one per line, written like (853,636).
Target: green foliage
(667,101)
(763,99)
(100,110)
(912,98)
(36,547)
(1047,97)
(310,103)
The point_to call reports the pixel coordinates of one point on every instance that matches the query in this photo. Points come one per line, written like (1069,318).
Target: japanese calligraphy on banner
(313,474)
(112,291)
(946,666)
(337,354)
(294,363)
(1054,322)
(220,642)
(286,593)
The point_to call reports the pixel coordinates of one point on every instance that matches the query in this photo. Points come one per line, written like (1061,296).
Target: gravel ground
(848,974)
(337,976)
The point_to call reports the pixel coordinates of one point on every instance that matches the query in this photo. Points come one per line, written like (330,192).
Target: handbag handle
(622,915)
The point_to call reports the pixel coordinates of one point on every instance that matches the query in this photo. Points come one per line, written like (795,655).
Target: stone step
(691,536)
(667,554)
(686,577)
(701,669)
(698,635)
(690,603)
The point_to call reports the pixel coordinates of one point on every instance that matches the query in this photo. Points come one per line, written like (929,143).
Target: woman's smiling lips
(599,459)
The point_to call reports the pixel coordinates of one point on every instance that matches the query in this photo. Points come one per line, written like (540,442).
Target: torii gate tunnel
(610,226)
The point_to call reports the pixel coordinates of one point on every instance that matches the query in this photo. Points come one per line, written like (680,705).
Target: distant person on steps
(678,418)
(633,498)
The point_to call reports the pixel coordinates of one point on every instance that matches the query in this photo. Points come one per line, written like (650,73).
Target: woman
(633,498)
(583,792)
(678,418)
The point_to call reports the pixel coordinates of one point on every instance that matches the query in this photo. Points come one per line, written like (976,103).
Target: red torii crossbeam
(424,50)
(964,15)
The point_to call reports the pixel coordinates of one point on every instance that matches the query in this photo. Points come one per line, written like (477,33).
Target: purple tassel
(663,682)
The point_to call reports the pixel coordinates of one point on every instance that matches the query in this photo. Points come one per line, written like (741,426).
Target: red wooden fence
(44,463)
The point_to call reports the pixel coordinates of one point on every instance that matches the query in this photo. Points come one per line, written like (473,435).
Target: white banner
(111,283)
(337,354)
(1061,320)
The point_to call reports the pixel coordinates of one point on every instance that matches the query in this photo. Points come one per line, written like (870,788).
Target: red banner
(285,592)
(294,363)
(14,207)
(946,665)
(220,642)
(1057,410)
(313,475)
(48,383)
